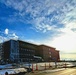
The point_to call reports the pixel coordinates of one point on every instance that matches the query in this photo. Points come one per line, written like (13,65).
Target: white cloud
(1,39)
(14,36)
(6,35)
(6,31)
(61,11)
(45,12)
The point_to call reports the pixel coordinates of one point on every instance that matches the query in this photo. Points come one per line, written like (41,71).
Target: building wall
(26,51)
(57,56)
(54,55)
(14,50)
(39,51)
(6,50)
(48,53)
(1,51)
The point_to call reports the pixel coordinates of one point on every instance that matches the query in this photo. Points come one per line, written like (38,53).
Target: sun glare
(66,43)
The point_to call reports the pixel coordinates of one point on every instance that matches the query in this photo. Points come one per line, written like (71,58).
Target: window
(49,52)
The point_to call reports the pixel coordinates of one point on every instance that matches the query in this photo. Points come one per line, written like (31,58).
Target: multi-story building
(17,50)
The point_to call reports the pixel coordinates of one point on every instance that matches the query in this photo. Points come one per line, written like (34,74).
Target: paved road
(69,71)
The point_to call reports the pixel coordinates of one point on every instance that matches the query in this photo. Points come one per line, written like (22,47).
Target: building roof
(28,42)
(47,46)
(33,43)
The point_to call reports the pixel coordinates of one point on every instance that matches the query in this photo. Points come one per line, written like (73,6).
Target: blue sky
(50,22)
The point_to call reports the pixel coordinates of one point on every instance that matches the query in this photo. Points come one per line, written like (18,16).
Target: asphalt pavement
(67,71)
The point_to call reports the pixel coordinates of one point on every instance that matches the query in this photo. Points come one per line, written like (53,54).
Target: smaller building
(48,53)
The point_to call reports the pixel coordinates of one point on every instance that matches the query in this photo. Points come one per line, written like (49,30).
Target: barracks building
(18,50)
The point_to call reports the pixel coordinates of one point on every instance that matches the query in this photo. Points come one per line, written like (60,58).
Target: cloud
(1,39)
(42,25)
(43,15)
(14,36)
(6,31)
(7,34)
(42,12)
